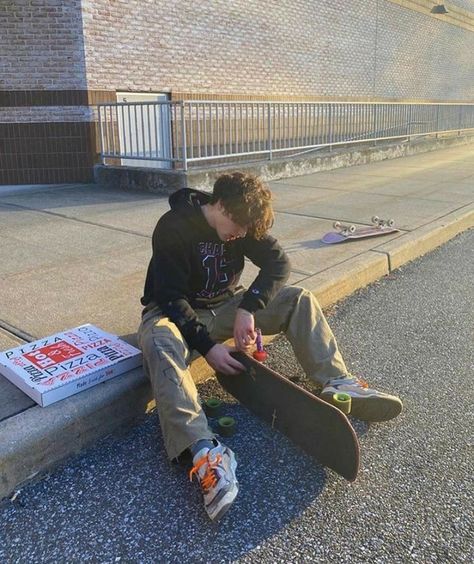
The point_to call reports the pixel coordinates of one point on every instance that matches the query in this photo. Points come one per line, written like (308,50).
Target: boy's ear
(220,207)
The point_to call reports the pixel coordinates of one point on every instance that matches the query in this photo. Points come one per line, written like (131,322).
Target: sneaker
(366,404)
(215,471)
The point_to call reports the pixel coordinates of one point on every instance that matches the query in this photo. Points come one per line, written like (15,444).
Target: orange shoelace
(209,479)
(362,383)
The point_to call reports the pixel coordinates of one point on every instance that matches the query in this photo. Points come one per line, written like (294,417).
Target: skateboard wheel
(342,401)
(352,229)
(226,426)
(213,407)
(261,356)
(390,222)
(375,219)
(337,225)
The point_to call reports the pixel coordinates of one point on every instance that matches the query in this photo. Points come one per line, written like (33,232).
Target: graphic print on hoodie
(190,266)
(219,269)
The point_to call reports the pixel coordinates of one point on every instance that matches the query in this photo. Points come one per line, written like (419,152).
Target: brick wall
(57,57)
(374,49)
(41,45)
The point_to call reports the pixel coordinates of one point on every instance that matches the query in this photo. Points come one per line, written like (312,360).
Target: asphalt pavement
(411,333)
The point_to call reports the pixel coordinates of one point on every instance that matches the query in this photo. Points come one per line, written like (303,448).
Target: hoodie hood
(188,200)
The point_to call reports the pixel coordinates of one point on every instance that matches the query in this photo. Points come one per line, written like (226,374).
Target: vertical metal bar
(224,136)
(136,129)
(297,140)
(149,129)
(309,133)
(143,129)
(198,130)
(241,128)
(205,123)
(189,131)
(236,130)
(129,112)
(159,114)
(125,147)
(106,134)
(330,125)
(375,116)
(211,124)
(102,158)
(116,131)
(316,124)
(410,110)
(258,127)
(270,133)
(253,126)
(229,126)
(306,141)
(247,122)
(158,130)
(184,149)
(218,131)
(278,107)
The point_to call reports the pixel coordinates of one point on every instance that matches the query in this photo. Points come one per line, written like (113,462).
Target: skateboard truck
(260,354)
(345,229)
(382,222)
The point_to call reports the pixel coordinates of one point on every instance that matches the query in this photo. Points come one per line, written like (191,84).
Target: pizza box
(66,363)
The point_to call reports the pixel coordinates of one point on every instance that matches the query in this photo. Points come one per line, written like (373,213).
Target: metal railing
(189,133)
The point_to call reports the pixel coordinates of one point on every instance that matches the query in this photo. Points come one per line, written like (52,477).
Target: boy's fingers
(236,365)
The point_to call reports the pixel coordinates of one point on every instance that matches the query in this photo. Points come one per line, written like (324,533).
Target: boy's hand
(244,330)
(220,359)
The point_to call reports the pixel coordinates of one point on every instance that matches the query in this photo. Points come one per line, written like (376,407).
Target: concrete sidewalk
(78,254)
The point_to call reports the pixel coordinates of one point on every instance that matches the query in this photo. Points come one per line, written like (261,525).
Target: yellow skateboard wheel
(342,401)
(226,426)
(213,407)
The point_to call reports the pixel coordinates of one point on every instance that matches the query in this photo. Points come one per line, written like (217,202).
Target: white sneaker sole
(368,407)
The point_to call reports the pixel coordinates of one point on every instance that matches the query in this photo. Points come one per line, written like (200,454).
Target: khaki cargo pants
(166,356)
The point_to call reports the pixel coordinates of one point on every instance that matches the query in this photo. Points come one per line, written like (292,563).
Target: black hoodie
(191,267)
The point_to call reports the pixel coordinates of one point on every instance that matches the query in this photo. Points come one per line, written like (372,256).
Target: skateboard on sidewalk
(319,428)
(349,232)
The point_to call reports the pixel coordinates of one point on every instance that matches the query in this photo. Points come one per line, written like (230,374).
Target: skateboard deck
(318,427)
(349,232)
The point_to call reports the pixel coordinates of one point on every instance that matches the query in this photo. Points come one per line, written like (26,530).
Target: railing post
(375,124)
(270,144)
(330,126)
(184,150)
(410,111)
(102,158)
(460,120)
(437,121)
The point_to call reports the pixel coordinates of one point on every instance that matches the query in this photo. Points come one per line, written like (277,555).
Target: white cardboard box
(64,364)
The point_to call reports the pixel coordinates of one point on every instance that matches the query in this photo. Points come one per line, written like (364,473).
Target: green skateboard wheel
(342,401)
(226,426)
(213,407)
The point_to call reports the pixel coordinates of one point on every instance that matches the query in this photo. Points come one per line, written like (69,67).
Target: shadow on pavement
(125,490)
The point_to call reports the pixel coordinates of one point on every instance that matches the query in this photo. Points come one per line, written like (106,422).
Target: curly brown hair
(247,200)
